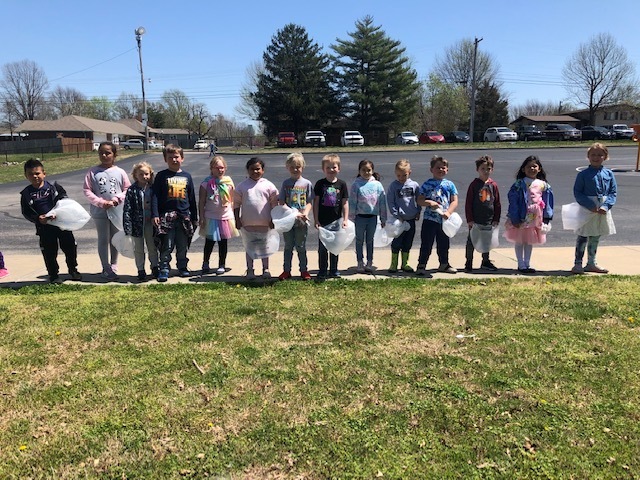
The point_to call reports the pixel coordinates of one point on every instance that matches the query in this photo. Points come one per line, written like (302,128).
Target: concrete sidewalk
(28,269)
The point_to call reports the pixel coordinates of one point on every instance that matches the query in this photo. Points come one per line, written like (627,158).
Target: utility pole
(473,88)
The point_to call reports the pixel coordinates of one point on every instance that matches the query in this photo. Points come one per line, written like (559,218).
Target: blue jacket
(595,182)
(517,196)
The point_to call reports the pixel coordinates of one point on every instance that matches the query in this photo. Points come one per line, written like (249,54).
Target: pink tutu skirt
(528,232)
(217,230)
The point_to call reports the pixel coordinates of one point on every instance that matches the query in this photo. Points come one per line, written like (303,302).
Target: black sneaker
(155,271)
(142,275)
(55,279)
(468,267)
(75,275)
(488,265)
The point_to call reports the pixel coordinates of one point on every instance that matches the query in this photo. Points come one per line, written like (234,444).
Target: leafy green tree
(99,108)
(492,110)
(155,112)
(376,78)
(176,109)
(294,88)
(443,106)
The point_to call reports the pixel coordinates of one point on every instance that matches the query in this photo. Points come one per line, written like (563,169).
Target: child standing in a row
(402,196)
(215,203)
(367,202)
(530,210)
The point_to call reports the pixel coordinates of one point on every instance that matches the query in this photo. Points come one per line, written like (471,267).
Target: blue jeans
(365,229)
(174,238)
(295,238)
(433,231)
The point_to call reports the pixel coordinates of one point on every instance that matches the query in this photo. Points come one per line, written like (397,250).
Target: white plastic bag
(574,216)
(283,218)
(70,215)
(396,227)
(484,237)
(451,225)
(116,215)
(335,238)
(123,243)
(381,238)
(260,244)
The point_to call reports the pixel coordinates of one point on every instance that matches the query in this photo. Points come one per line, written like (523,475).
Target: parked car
(457,136)
(621,130)
(153,145)
(431,136)
(132,143)
(287,139)
(350,138)
(596,133)
(500,134)
(315,138)
(407,138)
(562,131)
(529,133)
(201,145)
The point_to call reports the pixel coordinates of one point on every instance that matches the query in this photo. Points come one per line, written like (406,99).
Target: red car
(287,139)
(431,137)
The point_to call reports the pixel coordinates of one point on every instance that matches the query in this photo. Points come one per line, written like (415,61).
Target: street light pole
(139,32)
(473,89)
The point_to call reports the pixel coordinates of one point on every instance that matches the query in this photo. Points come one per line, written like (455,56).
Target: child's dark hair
(33,163)
(253,161)
(542,175)
(114,147)
(172,148)
(364,163)
(485,159)
(437,158)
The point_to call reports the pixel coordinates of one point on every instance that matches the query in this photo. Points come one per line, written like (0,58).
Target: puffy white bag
(381,237)
(70,215)
(396,227)
(259,244)
(335,238)
(574,216)
(116,216)
(123,243)
(451,225)
(283,218)
(484,237)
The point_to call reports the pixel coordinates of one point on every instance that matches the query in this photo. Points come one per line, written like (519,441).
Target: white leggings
(523,255)
(106,231)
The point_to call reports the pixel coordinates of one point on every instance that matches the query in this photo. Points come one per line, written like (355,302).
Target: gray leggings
(106,231)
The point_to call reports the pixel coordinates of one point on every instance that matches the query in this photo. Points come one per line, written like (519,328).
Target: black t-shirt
(330,197)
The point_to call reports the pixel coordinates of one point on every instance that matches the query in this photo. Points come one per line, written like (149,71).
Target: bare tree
(199,119)
(176,108)
(456,67)
(127,105)
(65,101)
(598,73)
(537,108)
(247,107)
(25,85)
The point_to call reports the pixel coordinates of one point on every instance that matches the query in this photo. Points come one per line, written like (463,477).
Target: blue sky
(204,48)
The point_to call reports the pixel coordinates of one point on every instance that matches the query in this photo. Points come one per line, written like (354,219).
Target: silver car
(407,138)
(350,138)
(500,134)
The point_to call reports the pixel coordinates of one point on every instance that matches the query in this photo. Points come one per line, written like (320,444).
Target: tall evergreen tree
(492,110)
(380,87)
(294,90)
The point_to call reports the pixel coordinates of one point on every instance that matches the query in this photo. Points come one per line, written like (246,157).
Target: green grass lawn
(533,378)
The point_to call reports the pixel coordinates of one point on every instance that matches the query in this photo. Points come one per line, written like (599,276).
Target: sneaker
(75,275)
(142,275)
(527,270)
(407,268)
(114,268)
(360,268)
(250,275)
(321,275)
(592,268)
(3,272)
(220,270)
(335,274)
(468,267)
(184,273)
(421,270)
(266,274)
(577,270)
(392,270)
(446,268)
(109,274)
(369,267)
(305,275)
(284,276)
(205,268)
(55,279)
(488,265)
(163,276)
(154,272)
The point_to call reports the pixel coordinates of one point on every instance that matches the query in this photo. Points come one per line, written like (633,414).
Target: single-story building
(75,126)
(609,114)
(541,121)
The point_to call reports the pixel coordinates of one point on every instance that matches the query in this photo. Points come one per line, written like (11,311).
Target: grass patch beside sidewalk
(346,379)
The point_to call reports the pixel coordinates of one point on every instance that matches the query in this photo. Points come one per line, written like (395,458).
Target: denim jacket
(517,196)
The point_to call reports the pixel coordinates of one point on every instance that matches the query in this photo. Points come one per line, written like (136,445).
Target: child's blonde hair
(599,146)
(295,158)
(330,158)
(136,168)
(216,159)
(403,164)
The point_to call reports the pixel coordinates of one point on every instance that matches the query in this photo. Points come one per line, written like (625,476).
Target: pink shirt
(255,200)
